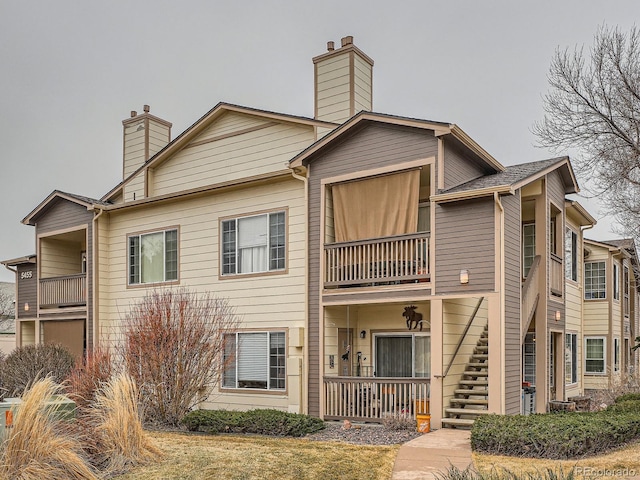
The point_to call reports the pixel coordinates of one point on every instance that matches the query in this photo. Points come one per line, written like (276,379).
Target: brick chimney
(343,82)
(144,136)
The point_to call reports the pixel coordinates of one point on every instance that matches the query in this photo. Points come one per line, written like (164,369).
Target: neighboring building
(380,264)
(610,311)
(7,317)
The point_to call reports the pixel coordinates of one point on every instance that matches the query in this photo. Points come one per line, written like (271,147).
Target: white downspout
(304,381)
(94,274)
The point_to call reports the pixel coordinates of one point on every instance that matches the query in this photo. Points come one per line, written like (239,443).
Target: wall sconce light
(26,307)
(363,334)
(557,315)
(464,277)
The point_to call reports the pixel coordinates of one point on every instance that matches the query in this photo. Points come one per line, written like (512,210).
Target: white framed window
(253,244)
(402,355)
(528,247)
(595,355)
(595,280)
(570,358)
(625,290)
(153,257)
(616,281)
(616,354)
(571,254)
(255,360)
(529,356)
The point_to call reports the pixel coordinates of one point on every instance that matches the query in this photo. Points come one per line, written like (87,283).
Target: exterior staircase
(472,395)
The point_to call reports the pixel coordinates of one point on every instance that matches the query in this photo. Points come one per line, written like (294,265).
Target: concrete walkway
(433,452)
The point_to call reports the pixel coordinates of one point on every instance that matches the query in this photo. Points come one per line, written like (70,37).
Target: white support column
(496,355)
(437,368)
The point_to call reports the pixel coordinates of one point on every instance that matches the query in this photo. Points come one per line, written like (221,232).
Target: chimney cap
(348,40)
(133,113)
(146,108)
(330,46)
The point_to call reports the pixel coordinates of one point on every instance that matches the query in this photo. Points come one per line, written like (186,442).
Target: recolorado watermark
(592,472)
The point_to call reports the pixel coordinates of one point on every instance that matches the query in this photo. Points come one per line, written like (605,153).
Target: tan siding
(332,94)
(231,158)
(133,147)
(271,301)
(158,137)
(28,333)
(513,288)
(465,240)
(456,314)
(373,146)
(134,188)
(59,258)
(363,84)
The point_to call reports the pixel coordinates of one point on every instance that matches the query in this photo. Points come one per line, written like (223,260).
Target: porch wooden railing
(374,398)
(556,275)
(401,258)
(530,295)
(68,290)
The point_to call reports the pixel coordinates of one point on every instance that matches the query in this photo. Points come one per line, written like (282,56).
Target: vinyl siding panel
(455,316)
(465,240)
(134,151)
(371,147)
(363,84)
(275,302)
(458,168)
(513,289)
(58,258)
(27,291)
(62,215)
(333,89)
(232,158)
(159,136)
(65,215)
(134,188)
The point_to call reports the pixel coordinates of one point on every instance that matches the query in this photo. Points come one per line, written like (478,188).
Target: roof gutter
(470,194)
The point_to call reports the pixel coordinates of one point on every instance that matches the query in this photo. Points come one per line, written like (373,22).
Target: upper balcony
(63,266)
(376,230)
(378,261)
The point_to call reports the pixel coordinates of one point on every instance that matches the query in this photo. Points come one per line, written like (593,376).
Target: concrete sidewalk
(433,452)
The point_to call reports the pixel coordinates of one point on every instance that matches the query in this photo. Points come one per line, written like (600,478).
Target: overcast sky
(71,71)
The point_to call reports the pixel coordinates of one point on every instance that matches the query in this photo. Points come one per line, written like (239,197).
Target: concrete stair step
(466,411)
(477,365)
(457,422)
(470,401)
(480,356)
(483,341)
(482,349)
(473,383)
(477,373)
(472,392)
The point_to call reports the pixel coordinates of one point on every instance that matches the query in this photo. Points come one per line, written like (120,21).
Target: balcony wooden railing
(65,291)
(530,295)
(402,258)
(556,275)
(372,399)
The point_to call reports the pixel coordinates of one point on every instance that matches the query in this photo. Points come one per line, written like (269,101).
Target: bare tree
(174,349)
(593,107)
(6,305)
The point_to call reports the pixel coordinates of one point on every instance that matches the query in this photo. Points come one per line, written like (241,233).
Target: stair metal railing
(462,337)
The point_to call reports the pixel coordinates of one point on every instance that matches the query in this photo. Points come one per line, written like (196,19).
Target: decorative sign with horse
(413,318)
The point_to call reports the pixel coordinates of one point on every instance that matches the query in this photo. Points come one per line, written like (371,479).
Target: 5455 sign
(26,274)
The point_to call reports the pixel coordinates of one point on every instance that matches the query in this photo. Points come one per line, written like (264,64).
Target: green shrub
(625,406)
(557,436)
(627,397)
(259,421)
(26,364)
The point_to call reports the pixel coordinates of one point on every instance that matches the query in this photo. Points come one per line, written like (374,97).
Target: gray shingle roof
(84,199)
(512,175)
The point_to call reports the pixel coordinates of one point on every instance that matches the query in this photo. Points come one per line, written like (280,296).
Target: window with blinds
(253,244)
(255,360)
